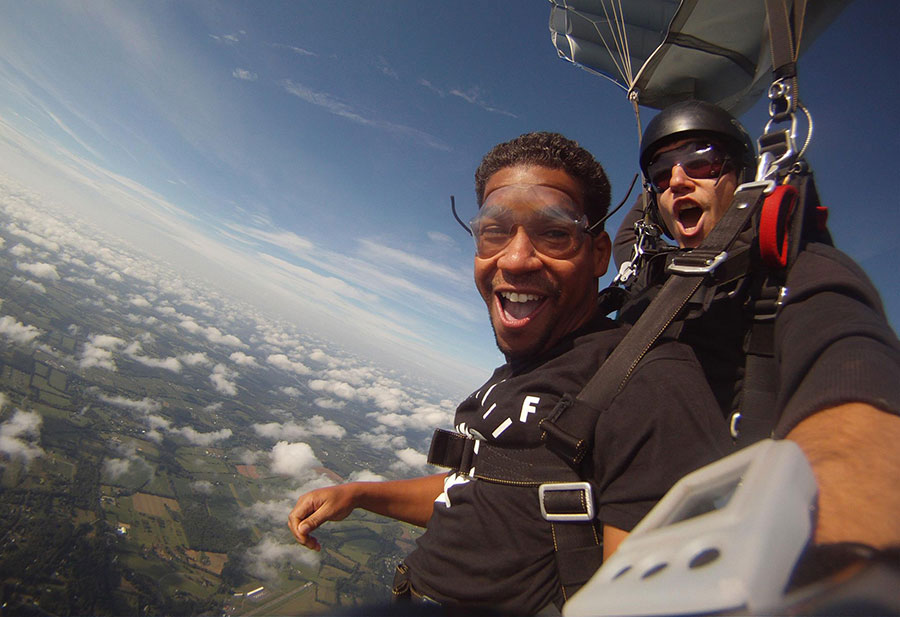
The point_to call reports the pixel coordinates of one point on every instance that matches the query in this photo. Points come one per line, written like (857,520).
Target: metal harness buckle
(586,501)
(696,262)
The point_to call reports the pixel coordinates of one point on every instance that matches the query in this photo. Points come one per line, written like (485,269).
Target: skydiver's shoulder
(668,351)
(821,268)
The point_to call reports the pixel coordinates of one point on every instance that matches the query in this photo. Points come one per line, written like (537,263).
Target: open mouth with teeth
(689,217)
(516,309)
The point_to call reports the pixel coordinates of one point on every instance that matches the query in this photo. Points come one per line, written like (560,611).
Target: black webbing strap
(480,459)
(568,504)
(758,414)
(784,39)
(579,553)
(565,432)
(756,408)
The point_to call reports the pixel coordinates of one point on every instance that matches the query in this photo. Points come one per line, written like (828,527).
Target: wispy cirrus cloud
(244,74)
(297,50)
(339,108)
(474,96)
(375,251)
(287,240)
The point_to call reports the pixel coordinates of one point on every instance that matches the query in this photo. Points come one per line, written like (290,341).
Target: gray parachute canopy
(665,51)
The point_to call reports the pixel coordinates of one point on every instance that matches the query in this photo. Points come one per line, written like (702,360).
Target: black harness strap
(566,502)
(756,416)
(565,433)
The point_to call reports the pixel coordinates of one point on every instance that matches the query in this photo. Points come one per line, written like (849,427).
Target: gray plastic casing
(725,537)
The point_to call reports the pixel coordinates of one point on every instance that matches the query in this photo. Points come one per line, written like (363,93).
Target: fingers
(302,522)
(316,507)
(310,542)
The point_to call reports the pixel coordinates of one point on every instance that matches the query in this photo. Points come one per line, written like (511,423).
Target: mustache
(532,281)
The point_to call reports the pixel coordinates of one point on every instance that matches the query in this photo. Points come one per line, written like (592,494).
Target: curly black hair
(553,151)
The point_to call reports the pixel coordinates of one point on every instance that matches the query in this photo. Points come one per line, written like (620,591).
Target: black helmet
(699,118)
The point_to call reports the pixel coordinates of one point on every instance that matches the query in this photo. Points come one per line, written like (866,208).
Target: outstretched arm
(410,501)
(853,450)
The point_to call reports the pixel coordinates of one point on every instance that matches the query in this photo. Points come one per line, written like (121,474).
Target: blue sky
(302,154)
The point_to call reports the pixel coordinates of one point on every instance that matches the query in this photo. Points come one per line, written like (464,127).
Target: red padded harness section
(774,223)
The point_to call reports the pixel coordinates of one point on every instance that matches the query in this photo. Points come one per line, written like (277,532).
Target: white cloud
(474,97)
(291,391)
(438,238)
(409,458)
(366,476)
(239,357)
(383,440)
(145,405)
(170,364)
(296,460)
(19,434)
(211,333)
(158,422)
(40,270)
(115,468)
(381,254)
(327,403)
(195,359)
(337,388)
(106,341)
(202,439)
(17,331)
(139,300)
(35,286)
(202,486)
(296,50)
(244,74)
(339,108)
(266,558)
(96,356)
(281,361)
(221,380)
(287,240)
(317,425)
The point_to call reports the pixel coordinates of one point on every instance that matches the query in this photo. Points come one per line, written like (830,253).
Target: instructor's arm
(853,451)
(410,501)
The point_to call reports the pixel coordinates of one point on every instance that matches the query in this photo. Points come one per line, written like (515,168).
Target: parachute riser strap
(784,39)
(756,413)
(673,297)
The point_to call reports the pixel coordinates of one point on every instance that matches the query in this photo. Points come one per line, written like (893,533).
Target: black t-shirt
(833,343)
(486,544)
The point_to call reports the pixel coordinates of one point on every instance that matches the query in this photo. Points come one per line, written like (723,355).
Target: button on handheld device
(724,538)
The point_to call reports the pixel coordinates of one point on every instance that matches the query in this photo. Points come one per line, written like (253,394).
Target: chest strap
(566,502)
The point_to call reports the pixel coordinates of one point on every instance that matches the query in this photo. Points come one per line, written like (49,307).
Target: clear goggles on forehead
(554,231)
(700,160)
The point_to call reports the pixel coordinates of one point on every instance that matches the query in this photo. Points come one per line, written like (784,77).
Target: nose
(679,179)
(519,255)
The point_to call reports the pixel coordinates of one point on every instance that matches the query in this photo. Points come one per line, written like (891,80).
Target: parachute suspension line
(620,23)
(618,35)
(633,97)
(617,57)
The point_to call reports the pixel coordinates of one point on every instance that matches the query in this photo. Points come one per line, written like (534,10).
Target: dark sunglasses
(699,160)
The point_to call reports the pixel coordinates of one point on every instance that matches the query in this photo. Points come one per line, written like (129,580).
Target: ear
(601,248)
